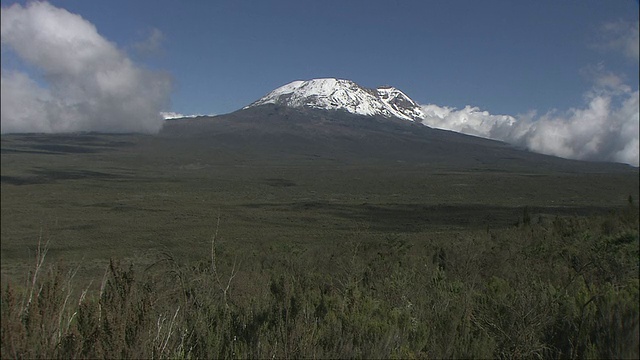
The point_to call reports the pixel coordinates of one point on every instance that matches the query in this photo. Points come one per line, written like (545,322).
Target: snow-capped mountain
(339,94)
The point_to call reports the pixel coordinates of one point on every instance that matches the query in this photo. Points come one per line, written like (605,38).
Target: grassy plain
(122,196)
(287,219)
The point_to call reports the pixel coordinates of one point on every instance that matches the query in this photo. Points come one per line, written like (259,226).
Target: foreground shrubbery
(548,288)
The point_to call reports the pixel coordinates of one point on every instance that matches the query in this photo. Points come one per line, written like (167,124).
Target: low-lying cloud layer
(84,82)
(604,128)
(174,115)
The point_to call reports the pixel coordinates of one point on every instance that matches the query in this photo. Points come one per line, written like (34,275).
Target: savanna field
(131,246)
(319,180)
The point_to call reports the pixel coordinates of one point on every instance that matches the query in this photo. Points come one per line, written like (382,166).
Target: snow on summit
(339,94)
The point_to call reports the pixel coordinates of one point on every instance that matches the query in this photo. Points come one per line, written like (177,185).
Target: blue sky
(506,57)
(503,57)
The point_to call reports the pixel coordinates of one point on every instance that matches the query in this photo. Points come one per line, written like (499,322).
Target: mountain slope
(289,135)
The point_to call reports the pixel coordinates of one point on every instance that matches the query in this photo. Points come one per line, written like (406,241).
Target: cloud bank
(84,82)
(604,128)
(175,115)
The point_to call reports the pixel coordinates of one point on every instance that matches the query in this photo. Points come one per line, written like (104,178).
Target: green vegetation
(561,288)
(216,254)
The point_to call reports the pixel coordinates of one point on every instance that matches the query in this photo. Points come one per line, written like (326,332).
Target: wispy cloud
(152,44)
(622,36)
(87,83)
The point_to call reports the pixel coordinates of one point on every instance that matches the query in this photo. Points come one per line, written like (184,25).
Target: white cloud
(171,115)
(605,129)
(91,85)
(470,120)
(600,131)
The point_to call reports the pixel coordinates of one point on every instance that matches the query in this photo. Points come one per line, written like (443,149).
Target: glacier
(341,94)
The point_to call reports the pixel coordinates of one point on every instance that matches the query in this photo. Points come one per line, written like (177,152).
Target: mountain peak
(340,94)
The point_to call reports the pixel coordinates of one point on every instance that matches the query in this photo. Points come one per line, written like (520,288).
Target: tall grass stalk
(41,253)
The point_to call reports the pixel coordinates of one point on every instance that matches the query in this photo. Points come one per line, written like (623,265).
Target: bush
(567,288)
